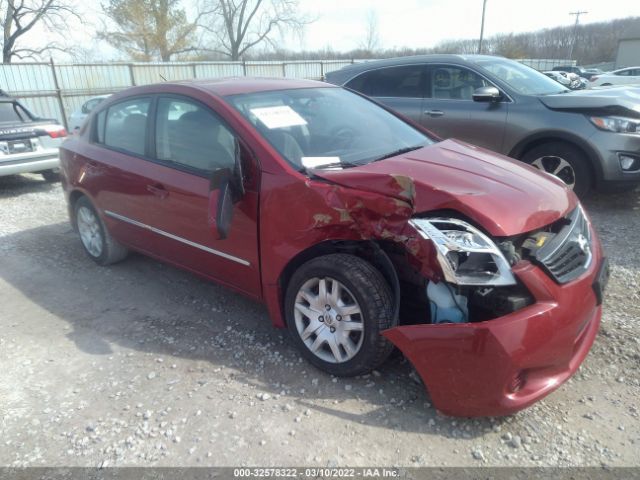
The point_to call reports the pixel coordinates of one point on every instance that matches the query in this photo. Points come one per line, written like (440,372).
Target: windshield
(522,78)
(327,127)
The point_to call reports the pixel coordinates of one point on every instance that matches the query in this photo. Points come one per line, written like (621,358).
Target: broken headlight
(467,256)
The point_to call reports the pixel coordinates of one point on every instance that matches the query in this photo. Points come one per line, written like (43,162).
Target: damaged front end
(498,305)
(511,320)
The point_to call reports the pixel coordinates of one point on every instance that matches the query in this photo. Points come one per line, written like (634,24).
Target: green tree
(149,29)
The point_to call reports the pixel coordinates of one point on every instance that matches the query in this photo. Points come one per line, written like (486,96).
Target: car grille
(567,255)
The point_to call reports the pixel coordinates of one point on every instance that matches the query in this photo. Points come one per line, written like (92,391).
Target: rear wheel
(96,240)
(564,161)
(336,307)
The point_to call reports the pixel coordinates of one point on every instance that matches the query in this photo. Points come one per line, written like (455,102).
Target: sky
(423,23)
(342,24)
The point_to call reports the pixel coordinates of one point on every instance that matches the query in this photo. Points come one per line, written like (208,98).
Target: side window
(455,83)
(125,126)
(624,73)
(191,135)
(406,81)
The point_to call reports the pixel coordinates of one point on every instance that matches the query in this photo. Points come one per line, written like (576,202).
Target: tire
(51,176)
(362,288)
(96,240)
(563,160)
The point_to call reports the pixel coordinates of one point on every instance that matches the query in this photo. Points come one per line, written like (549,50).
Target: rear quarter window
(404,81)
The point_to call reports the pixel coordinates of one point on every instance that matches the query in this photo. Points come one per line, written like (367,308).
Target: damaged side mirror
(226,188)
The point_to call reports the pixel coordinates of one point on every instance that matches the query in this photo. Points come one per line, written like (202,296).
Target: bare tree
(371,41)
(149,29)
(19,17)
(239,25)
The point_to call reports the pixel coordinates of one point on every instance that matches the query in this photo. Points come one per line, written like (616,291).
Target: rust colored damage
(365,212)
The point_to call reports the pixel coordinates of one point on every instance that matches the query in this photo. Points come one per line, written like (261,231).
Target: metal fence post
(244,67)
(131,75)
(194,70)
(58,94)
(321,70)
(284,70)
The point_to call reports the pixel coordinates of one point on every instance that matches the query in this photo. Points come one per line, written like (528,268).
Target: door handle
(434,113)
(158,190)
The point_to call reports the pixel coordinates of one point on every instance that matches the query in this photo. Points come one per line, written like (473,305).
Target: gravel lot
(143,364)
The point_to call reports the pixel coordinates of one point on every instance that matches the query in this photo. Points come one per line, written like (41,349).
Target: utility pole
(484,8)
(575,31)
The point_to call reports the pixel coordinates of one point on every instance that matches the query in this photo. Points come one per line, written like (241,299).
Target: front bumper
(29,162)
(500,366)
(609,146)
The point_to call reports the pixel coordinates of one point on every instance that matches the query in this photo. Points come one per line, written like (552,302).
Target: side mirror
(487,94)
(238,171)
(226,189)
(220,211)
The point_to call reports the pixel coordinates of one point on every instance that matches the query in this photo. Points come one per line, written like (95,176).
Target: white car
(77,118)
(28,143)
(558,77)
(624,76)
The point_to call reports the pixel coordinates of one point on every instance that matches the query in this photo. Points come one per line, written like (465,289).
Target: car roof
(236,85)
(347,73)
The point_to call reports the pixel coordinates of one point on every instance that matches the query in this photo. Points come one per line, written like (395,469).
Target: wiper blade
(400,151)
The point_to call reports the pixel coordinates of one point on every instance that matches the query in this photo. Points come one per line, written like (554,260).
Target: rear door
(117,171)
(192,143)
(400,88)
(450,112)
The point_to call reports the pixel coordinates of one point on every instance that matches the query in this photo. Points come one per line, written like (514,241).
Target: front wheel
(564,161)
(336,307)
(98,243)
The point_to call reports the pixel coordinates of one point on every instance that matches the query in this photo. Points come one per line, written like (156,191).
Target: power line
(575,31)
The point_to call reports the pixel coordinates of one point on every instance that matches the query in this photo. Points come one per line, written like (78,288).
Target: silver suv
(28,143)
(589,139)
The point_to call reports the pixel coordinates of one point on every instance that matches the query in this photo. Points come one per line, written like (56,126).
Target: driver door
(193,145)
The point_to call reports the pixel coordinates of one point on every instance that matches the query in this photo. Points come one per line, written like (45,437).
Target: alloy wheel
(558,167)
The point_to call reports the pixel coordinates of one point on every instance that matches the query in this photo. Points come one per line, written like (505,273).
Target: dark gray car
(590,139)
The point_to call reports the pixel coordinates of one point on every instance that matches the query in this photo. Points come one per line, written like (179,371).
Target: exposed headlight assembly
(617,124)
(466,255)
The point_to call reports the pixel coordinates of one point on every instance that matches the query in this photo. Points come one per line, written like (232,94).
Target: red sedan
(358,229)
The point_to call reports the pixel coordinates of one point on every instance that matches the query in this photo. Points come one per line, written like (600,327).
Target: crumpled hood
(504,196)
(606,98)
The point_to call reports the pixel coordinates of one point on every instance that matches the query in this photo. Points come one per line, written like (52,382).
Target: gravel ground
(143,364)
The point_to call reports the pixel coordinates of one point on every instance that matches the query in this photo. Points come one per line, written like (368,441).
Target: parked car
(580,71)
(513,109)
(356,228)
(559,77)
(28,143)
(624,76)
(593,71)
(567,79)
(77,117)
